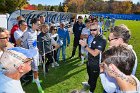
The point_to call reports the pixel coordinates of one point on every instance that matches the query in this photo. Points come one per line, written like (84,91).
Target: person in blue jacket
(64,39)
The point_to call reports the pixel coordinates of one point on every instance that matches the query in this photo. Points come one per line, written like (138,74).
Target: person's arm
(16,35)
(39,42)
(54,43)
(94,52)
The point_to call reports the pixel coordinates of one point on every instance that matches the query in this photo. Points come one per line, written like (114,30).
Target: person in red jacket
(14,28)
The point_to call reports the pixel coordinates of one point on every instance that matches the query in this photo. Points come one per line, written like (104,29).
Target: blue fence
(119,16)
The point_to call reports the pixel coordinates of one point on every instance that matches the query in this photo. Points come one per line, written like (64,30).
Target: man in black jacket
(77,29)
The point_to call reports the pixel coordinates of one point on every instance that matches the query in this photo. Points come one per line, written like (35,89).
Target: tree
(41,7)
(8,6)
(60,7)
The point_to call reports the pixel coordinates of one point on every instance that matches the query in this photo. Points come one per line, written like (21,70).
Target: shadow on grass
(61,73)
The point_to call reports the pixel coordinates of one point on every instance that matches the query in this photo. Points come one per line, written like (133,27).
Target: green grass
(68,76)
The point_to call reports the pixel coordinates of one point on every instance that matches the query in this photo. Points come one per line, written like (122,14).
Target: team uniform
(29,41)
(93,69)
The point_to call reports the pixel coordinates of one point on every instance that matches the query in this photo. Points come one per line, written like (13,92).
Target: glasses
(4,38)
(111,39)
(93,29)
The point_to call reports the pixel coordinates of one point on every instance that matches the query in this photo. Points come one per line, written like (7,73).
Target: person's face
(80,20)
(23,26)
(95,22)
(42,20)
(88,24)
(45,29)
(3,39)
(113,41)
(27,65)
(54,31)
(94,30)
(37,25)
(61,25)
(7,33)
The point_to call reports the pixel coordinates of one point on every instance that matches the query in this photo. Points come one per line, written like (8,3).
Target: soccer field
(68,76)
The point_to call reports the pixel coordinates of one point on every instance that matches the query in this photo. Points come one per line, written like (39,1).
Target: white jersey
(29,41)
(9,85)
(17,34)
(85,31)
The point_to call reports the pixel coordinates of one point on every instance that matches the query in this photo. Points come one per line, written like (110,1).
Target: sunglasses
(93,29)
(4,38)
(111,39)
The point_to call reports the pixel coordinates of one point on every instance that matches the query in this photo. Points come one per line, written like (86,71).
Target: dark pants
(75,44)
(93,73)
(48,56)
(55,55)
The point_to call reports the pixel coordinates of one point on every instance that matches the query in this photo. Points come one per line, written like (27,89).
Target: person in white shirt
(18,33)
(29,41)
(14,67)
(84,35)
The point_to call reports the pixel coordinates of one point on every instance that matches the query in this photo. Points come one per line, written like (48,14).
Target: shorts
(35,62)
(83,51)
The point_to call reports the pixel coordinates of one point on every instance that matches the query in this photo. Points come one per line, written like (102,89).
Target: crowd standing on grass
(41,43)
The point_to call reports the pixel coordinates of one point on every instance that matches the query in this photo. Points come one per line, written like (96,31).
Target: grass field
(68,76)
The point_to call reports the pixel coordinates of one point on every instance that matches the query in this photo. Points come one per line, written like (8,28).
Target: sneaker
(33,81)
(72,57)
(85,84)
(56,64)
(52,64)
(40,90)
(90,92)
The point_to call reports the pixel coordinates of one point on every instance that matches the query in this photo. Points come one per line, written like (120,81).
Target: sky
(57,2)
(46,2)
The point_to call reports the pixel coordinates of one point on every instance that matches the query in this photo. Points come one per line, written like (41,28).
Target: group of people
(46,40)
(116,66)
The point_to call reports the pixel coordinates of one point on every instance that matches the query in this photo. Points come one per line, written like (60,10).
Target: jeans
(63,52)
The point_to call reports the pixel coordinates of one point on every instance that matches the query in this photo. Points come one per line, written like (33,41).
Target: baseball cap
(14,57)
